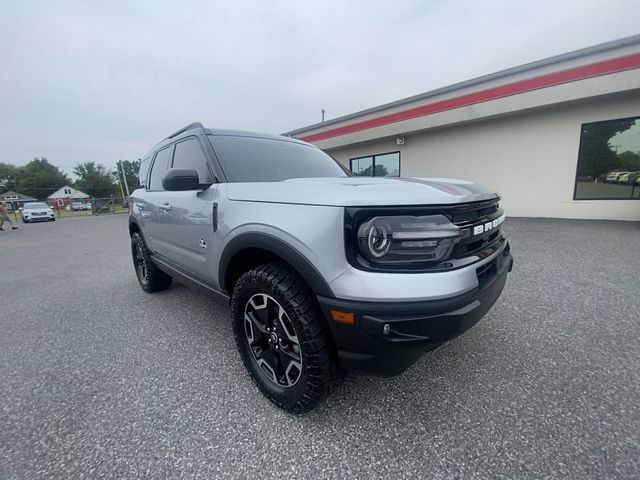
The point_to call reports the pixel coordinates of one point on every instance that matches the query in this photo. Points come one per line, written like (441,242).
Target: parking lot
(99,379)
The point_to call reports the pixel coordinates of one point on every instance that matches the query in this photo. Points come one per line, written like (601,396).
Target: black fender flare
(278,247)
(133,222)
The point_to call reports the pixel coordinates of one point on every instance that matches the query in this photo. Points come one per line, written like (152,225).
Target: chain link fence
(93,206)
(76,208)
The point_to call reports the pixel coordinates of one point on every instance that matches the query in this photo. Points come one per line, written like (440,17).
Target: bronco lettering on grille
(485,227)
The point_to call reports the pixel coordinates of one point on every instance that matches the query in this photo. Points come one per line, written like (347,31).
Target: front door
(187,231)
(151,203)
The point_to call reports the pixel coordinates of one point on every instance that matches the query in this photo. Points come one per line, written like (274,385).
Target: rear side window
(252,159)
(189,154)
(159,169)
(143,171)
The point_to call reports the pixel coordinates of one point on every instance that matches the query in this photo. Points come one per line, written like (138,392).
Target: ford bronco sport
(325,272)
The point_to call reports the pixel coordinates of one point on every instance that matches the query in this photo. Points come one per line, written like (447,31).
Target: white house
(15,199)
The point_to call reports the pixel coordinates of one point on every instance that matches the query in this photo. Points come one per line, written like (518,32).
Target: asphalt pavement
(101,380)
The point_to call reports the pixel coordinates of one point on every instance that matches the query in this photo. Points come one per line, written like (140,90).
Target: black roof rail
(191,126)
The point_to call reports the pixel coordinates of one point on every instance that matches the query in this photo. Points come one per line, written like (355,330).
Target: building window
(609,161)
(67,191)
(383,165)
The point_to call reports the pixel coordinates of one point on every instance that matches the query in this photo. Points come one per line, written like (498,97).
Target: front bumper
(386,338)
(39,218)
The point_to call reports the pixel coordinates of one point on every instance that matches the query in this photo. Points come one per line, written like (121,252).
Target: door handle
(165,206)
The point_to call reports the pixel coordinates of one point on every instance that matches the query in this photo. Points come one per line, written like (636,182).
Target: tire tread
(158,280)
(323,371)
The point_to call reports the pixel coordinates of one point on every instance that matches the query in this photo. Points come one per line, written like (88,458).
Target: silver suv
(325,272)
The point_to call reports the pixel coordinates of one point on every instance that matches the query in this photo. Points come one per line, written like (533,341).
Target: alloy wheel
(141,264)
(273,340)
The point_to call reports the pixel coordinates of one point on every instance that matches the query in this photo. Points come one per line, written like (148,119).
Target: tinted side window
(188,154)
(159,169)
(142,172)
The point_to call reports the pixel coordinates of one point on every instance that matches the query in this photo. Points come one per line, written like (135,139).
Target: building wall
(61,202)
(572,92)
(529,157)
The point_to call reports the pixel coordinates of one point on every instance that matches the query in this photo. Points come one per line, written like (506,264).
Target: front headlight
(407,240)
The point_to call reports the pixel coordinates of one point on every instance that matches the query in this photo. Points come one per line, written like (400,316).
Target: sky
(629,140)
(101,81)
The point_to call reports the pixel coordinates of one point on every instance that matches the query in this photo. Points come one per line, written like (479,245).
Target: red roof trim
(527,85)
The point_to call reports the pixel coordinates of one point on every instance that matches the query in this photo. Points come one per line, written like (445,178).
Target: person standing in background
(4,216)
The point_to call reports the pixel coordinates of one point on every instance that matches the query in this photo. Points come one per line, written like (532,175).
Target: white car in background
(612,177)
(624,177)
(633,178)
(37,212)
(75,206)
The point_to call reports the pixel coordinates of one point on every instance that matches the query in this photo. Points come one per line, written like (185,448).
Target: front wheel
(282,338)
(150,277)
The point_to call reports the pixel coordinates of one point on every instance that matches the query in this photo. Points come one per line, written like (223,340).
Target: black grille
(467,220)
(474,214)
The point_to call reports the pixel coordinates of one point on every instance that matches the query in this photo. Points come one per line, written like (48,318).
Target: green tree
(381,171)
(131,169)
(9,175)
(39,178)
(95,180)
(629,161)
(596,156)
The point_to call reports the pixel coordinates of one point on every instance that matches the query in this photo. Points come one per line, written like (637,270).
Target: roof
(558,59)
(75,194)
(21,197)
(243,133)
(200,128)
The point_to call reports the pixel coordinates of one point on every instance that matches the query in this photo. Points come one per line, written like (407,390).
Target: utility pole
(323,115)
(120,183)
(126,185)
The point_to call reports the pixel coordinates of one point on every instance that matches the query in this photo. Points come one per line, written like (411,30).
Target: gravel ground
(99,379)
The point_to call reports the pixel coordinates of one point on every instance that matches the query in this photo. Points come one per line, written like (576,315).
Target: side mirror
(180,179)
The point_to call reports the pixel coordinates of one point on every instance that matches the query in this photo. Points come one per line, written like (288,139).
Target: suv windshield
(253,159)
(31,206)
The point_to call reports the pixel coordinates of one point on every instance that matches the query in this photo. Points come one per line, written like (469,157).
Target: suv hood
(361,191)
(37,209)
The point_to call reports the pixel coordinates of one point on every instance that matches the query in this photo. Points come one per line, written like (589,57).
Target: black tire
(150,277)
(25,221)
(320,372)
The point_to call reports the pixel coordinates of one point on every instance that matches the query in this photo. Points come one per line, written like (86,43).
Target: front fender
(277,246)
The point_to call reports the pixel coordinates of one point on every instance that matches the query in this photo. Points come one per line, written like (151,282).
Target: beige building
(557,138)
